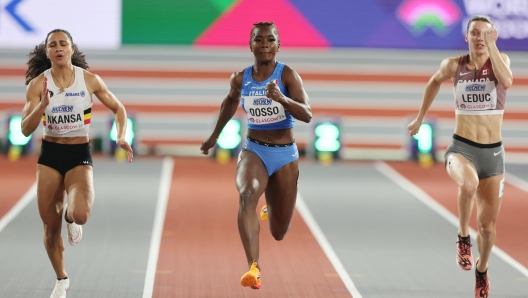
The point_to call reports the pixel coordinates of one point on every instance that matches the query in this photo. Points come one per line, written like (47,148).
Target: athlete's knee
(247,197)
(51,234)
(487,228)
(468,188)
(279,233)
(80,217)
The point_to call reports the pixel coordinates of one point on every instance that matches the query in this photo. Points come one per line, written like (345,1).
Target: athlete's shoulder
(449,65)
(236,79)
(289,73)
(91,79)
(450,61)
(37,80)
(88,75)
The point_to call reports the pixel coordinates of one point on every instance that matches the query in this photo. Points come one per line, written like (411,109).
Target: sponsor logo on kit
(62,109)
(475,87)
(262,101)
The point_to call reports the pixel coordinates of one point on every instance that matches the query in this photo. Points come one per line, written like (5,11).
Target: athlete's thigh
(78,183)
(281,194)
(460,169)
(489,198)
(251,174)
(50,194)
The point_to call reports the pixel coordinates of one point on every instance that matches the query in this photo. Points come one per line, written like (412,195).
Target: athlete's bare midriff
(482,129)
(276,136)
(71,140)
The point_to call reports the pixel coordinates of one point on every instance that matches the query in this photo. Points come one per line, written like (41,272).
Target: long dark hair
(38,61)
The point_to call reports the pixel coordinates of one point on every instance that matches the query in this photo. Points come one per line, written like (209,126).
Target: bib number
(64,118)
(263,110)
(476,96)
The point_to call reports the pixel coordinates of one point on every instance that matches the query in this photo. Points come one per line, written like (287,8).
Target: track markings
(325,245)
(422,196)
(30,194)
(157,230)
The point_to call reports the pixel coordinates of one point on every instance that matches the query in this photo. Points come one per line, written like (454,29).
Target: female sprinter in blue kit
(273,96)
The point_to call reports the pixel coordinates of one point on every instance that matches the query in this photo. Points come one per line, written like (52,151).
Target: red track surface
(15,179)
(511,224)
(201,253)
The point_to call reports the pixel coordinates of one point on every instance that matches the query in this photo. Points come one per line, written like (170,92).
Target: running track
(167,227)
(381,228)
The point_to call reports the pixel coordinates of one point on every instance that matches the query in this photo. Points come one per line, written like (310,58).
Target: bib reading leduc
(476,96)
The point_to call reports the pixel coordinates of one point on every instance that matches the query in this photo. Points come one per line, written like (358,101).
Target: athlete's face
(475,38)
(264,43)
(59,48)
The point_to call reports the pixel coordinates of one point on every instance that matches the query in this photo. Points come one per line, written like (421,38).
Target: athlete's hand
(208,144)
(124,144)
(489,35)
(273,92)
(414,127)
(44,94)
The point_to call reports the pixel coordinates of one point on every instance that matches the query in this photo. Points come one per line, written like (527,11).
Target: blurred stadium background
(364,64)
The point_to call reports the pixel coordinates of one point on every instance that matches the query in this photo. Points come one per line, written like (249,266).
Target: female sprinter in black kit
(59,95)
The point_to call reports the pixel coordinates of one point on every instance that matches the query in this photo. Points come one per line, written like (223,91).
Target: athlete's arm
(96,85)
(227,110)
(447,70)
(37,99)
(500,62)
(298,105)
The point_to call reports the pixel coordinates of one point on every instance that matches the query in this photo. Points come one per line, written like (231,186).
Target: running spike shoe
(61,286)
(464,256)
(482,284)
(252,277)
(264,212)
(74,230)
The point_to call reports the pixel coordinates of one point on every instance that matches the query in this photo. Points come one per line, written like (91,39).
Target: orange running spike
(252,277)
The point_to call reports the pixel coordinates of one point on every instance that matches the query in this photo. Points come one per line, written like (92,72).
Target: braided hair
(38,60)
(264,24)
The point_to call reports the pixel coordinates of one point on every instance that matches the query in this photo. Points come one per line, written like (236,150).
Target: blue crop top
(264,113)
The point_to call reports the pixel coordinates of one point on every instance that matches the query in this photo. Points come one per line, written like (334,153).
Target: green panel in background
(168,21)
(222,5)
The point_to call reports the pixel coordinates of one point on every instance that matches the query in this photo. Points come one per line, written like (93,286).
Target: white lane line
(157,229)
(422,196)
(325,245)
(30,194)
(516,181)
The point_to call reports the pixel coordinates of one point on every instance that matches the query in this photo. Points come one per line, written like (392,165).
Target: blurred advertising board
(411,24)
(94,24)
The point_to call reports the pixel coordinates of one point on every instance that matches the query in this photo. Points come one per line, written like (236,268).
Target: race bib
(263,110)
(64,118)
(476,96)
